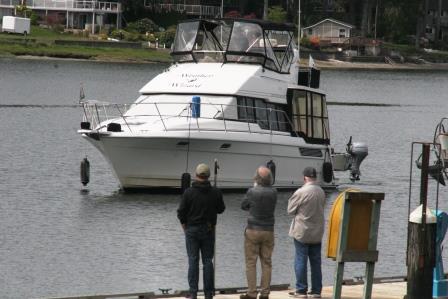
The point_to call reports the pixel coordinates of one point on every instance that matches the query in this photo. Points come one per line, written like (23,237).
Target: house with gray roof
(329,31)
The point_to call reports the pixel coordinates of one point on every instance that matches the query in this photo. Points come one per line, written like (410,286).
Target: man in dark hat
(307,229)
(197,213)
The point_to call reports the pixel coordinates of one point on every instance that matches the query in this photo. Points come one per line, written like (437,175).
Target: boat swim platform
(382,289)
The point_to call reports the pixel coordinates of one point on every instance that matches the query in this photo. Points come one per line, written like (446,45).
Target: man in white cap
(307,229)
(197,213)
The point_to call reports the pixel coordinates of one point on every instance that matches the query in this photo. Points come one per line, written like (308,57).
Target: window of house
(342,32)
(310,31)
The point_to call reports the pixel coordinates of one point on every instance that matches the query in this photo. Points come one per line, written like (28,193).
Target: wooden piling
(420,257)
(421,260)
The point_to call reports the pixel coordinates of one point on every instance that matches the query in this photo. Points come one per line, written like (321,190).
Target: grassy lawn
(117,54)
(41,43)
(40,33)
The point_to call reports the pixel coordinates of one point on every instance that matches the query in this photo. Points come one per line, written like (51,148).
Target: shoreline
(343,65)
(320,64)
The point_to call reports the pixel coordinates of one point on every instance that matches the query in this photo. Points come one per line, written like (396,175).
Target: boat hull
(159,161)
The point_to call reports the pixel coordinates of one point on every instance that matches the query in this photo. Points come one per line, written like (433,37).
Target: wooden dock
(390,290)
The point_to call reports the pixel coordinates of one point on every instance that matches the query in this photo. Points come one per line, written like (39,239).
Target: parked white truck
(16,25)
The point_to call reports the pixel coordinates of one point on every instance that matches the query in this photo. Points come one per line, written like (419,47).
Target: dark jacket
(260,202)
(200,204)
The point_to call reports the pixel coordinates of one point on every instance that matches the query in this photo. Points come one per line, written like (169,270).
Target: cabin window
(283,124)
(261,114)
(309,116)
(272,117)
(280,45)
(267,115)
(185,36)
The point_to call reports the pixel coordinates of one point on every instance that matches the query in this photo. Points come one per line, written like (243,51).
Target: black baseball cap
(310,172)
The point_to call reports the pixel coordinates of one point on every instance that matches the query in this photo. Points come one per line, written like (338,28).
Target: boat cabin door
(307,109)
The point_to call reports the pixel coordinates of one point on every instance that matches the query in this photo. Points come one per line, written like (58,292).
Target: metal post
(376,17)
(265,10)
(298,32)
(93,22)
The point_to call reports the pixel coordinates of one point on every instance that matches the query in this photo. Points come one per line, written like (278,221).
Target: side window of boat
(299,111)
(246,109)
(261,114)
(250,110)
(282,121)
(273,122)
(241,104)
(310,119)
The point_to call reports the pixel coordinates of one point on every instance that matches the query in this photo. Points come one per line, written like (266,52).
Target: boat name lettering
(196,76)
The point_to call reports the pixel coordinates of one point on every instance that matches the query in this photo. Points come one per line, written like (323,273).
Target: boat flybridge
(231,96)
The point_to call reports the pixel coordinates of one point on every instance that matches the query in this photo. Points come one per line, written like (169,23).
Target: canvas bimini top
(235,41)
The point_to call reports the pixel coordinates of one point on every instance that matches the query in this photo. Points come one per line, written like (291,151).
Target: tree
(277,14)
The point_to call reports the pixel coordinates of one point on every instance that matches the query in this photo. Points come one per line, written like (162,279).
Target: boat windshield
(236,41)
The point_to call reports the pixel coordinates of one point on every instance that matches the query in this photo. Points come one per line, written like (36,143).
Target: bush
(142,26)
(166,37)
(315,42)
(57,28)
(128,36)
(277,14)
(117,34)
(305,42)
(34,18)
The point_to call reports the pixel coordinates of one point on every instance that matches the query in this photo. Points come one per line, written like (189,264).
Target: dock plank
(392,290)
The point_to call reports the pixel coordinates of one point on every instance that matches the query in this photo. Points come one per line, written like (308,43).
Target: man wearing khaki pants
(260,201)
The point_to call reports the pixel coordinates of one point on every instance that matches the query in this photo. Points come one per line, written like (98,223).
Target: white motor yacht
(231,96)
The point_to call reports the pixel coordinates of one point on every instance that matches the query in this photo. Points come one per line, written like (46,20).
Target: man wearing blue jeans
(197,213)
(307,229)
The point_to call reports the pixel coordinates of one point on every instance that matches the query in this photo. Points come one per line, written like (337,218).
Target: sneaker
(314,295)
(246,296)
(298,295)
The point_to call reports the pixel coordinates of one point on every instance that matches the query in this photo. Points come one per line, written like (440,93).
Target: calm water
(58,241)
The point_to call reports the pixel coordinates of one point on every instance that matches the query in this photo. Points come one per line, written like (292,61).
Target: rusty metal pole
(421,243)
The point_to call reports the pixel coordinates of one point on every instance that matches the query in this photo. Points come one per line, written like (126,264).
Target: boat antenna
(189,133)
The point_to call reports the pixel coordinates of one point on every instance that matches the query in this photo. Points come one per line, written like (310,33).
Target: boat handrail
(99,114)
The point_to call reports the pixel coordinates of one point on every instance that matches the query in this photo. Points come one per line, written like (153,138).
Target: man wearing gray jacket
(307,229)
(260,201)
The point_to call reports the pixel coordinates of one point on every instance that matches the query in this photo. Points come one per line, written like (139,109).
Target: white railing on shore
(200,10)
(88,5)
(99,114)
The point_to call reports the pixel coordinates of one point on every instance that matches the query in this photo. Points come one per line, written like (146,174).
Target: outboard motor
(351,160)
(358,151)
